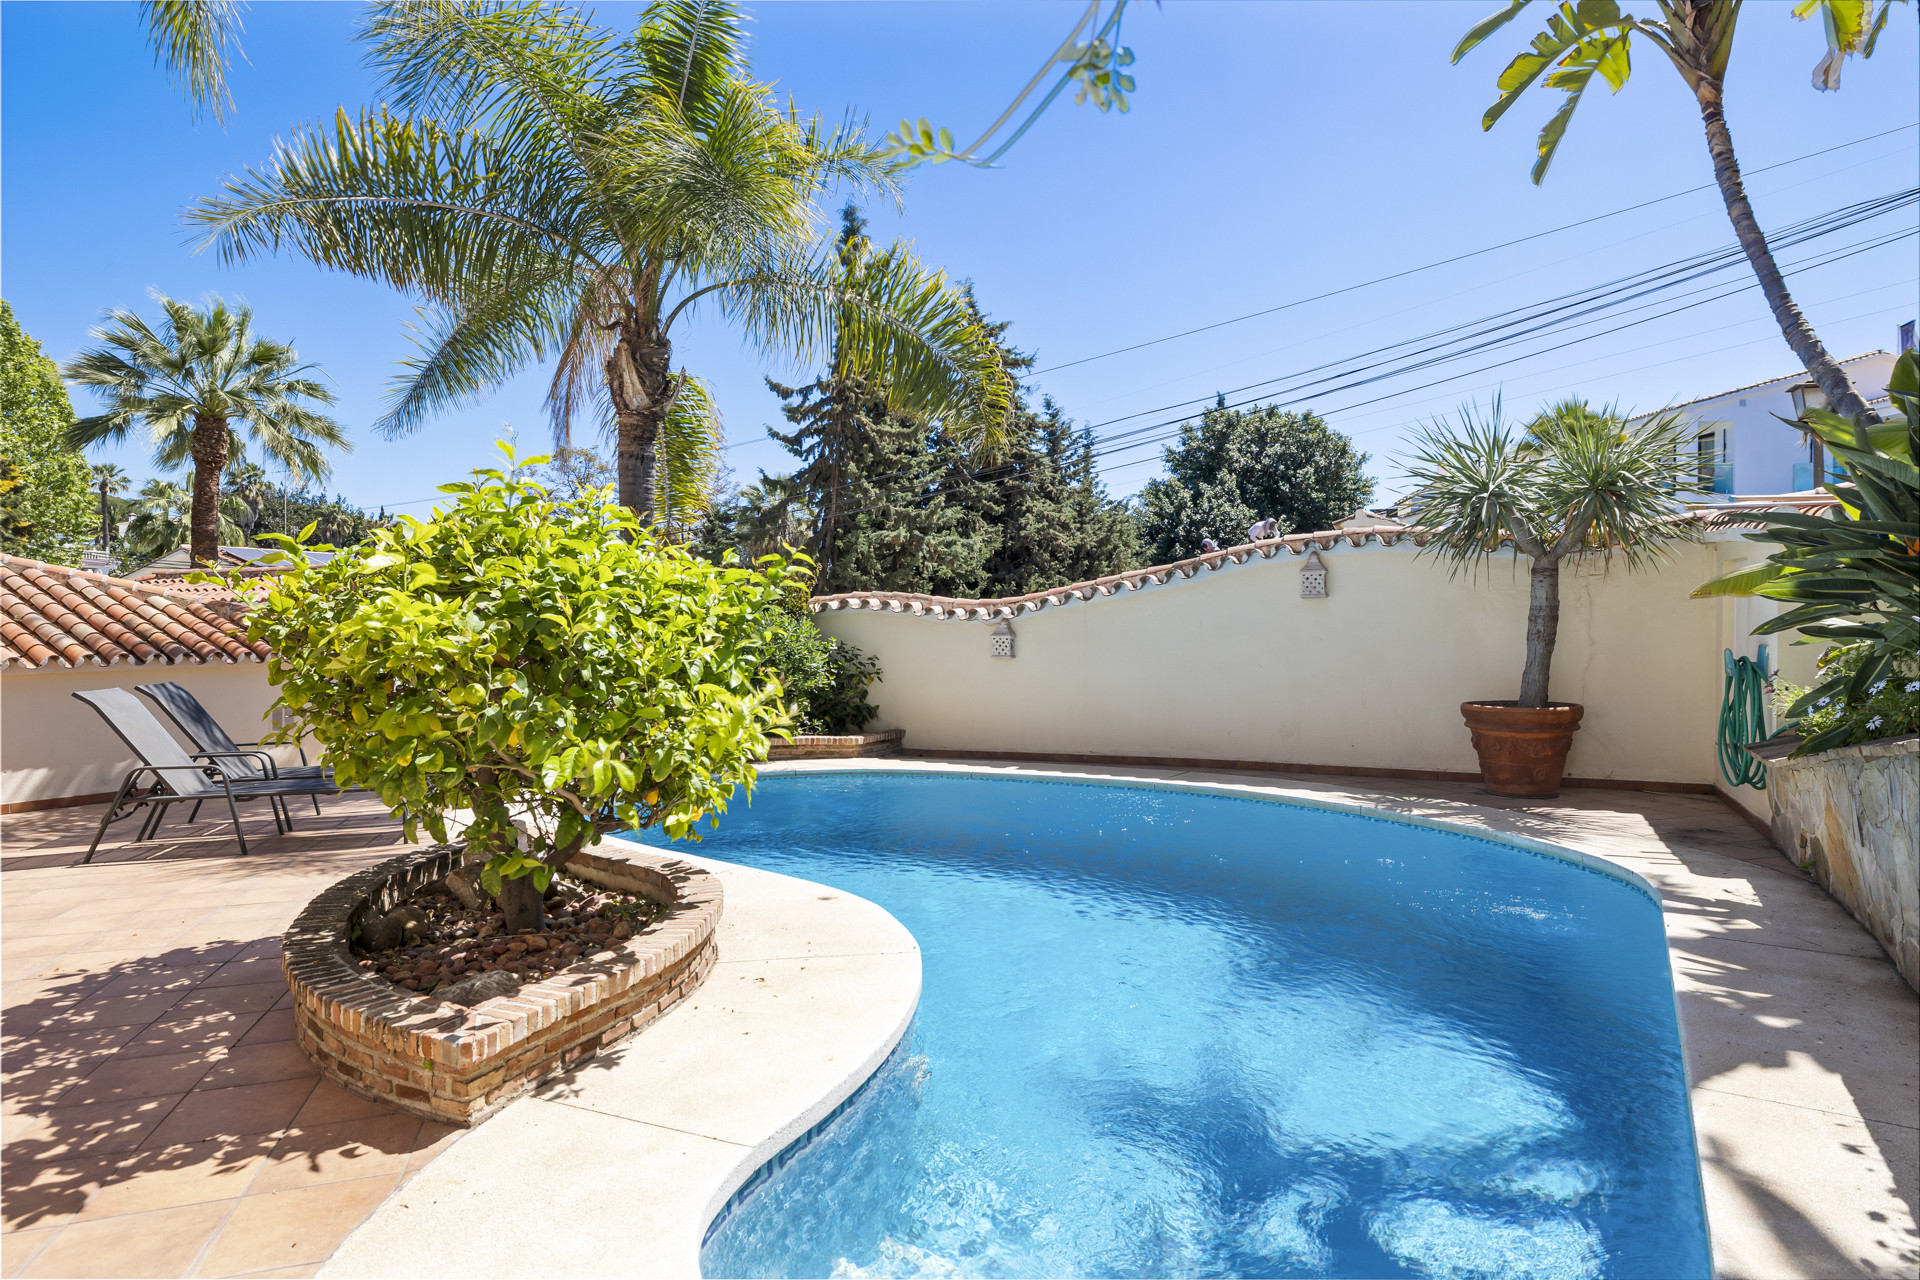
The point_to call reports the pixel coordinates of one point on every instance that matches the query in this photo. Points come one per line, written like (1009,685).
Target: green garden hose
(1743,719)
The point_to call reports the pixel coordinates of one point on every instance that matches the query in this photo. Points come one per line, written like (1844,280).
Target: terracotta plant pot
(1523,750)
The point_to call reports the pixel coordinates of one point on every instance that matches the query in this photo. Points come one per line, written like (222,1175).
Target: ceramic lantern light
(1313,578)
(1003,640)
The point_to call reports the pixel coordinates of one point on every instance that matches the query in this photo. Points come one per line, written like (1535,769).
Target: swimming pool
(1165,1033)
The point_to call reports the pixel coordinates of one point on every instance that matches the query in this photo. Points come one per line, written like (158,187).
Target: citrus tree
(530,672)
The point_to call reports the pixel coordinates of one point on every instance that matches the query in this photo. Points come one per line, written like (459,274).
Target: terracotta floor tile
(376,1146)
(196,1035)
(35,1092)
(242,1111)
(125,1011)
(14,1124)
(291,1228)
(311,1269)
(100,1129)
(173,1176)
(49,1193)
(57,1045)
(46,991)
(253,997)
(162,1243)
(137,1077)
(17,1248)
(272,1026)
(246,969)
(434,1138)
(258,1064)
(330,1103)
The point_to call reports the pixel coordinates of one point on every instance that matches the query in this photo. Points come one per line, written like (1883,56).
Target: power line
(1444,262)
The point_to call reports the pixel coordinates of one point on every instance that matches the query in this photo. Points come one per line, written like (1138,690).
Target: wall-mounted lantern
(1003,640)
(1313,578)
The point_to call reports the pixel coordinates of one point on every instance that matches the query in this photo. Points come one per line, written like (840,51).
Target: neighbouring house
(1743,444)
(64,630)
(179,561)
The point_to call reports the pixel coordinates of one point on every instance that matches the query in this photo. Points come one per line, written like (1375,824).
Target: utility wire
(1445,262)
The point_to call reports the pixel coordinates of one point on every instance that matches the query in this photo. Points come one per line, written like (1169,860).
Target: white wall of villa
(53,746)
(1745,448)
(1235,665)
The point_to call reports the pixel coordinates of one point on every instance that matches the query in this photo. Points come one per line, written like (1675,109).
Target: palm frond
(190,38)
(692,449)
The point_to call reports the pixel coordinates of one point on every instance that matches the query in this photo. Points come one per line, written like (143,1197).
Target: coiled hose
(1743,719)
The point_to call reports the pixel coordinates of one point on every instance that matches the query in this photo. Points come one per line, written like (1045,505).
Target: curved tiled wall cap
(619,1166)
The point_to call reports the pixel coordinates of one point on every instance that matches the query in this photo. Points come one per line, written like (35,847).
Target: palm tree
(1575,482)
(192,383)
(247,483)
(1594,37)
(773,513)
(162,516)
(560,194)
(109,479)
(190,38)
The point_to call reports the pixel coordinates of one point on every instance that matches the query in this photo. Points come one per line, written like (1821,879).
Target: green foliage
(573,473)
(825,679)
(52,513)
(1236,466)
(190,38)
(335,520)
(1853,577)
(160,521)
(1885,708)
(514,657)
(558,192)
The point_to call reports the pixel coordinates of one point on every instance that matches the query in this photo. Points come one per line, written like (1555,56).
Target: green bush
(825,678)
(1887,707)
(515,658)
(51,511)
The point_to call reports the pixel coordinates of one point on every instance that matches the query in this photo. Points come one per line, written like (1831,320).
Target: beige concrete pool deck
(1802,1046)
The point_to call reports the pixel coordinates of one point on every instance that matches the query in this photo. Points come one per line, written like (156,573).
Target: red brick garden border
(459,1066)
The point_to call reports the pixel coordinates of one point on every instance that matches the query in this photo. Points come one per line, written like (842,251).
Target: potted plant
(1577,481)
(529,675)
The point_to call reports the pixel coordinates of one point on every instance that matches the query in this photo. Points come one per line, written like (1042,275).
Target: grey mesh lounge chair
(177,776)
(203,731)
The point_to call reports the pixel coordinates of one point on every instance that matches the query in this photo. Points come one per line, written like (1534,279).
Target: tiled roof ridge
(1386,534)
(55,616)
(1764,382)
(947,608)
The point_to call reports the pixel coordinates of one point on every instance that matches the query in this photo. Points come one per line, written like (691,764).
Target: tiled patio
(159,1121)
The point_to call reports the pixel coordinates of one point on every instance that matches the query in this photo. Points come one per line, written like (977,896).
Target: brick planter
(459,1066)
(830,746)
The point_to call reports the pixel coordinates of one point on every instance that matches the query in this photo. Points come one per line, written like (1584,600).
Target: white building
(1744,446)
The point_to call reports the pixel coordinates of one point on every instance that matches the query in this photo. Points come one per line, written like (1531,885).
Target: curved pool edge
(634,1153)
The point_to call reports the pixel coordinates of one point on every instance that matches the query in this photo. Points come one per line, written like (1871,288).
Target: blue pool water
(1170,1034)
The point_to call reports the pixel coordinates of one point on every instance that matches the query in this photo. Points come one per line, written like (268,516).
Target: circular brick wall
(459,1065)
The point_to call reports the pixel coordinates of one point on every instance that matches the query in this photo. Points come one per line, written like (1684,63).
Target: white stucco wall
(53,745)
(1234,665)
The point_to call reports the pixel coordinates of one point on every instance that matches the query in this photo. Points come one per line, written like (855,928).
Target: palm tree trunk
(209,462)
(641,384)
(1820,366)
(1543,631)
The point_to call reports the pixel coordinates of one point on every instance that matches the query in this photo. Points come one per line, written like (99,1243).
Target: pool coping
(454,1199)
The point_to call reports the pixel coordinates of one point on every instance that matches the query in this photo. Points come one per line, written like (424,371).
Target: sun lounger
(192,719)
(175,776)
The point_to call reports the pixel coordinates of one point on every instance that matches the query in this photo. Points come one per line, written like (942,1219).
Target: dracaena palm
(560,194)
(1595,37)
(200,386)
(1577,481)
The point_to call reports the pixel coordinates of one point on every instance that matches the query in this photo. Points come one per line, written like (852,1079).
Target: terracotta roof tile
(51,616)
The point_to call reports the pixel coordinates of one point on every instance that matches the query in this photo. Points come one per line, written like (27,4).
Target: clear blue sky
(1274,151)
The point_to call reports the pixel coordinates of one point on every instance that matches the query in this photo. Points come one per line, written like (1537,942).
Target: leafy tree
(191,385)
(339,522)
(574,473)
(1237,466)
(51,509)
(559,193)
(515,658)
(1055,521)
(1853,576)
(249,484)
(110,482)
(1593,37)
(1576,482)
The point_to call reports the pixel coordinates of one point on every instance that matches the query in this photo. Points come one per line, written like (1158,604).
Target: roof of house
(1754,386)
(179,561)
(54,617)
(1356,530)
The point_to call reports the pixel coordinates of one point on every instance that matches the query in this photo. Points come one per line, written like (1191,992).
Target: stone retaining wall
(831,746)
(459,1065)
(1851,817)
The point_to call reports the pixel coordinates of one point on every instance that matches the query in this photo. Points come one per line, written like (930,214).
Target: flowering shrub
(1890,707)
(825,678)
